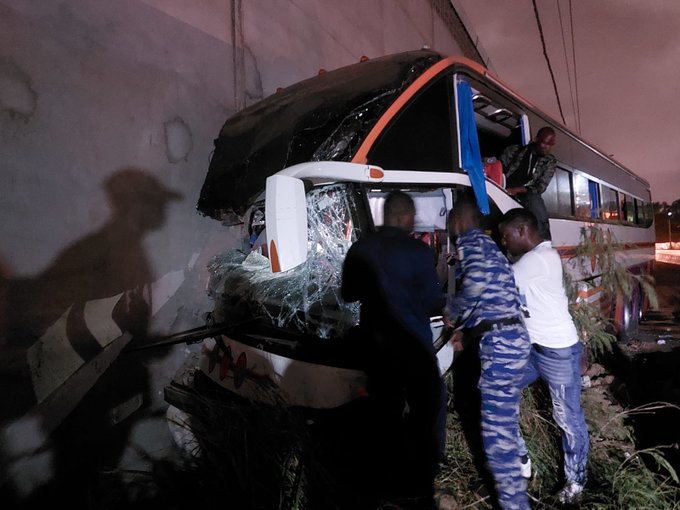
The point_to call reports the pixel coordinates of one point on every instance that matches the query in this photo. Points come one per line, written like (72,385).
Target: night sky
(627,55)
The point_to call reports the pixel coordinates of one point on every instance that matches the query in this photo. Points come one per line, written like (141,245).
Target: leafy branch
(597,266)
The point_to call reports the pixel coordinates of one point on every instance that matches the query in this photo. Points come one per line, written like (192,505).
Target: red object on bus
(493,169)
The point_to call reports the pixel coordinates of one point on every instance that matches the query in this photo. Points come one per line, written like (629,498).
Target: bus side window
(610,203)
(636,211)
(582,203)
(628,208)
(648,209)
(557,196)
(641,220)
(624,204)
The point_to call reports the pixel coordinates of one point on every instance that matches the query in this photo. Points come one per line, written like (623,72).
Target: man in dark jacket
(528,172)
(394,278)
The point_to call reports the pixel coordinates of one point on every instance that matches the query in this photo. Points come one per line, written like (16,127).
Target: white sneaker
(570,493)
(525,466)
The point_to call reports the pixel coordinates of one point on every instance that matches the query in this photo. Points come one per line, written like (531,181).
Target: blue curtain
(469,146)
(594,208)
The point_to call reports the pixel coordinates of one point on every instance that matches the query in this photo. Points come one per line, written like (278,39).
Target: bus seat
(493,170)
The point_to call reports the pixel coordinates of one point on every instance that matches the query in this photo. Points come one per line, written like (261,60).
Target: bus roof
(324,118)
(337,115)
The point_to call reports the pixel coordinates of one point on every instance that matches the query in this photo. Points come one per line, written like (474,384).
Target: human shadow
(71,323)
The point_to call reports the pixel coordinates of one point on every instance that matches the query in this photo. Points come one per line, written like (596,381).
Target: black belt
(538,348)
(487,325)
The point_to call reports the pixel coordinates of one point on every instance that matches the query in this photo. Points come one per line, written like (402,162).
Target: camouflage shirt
(543,168)
(485,283)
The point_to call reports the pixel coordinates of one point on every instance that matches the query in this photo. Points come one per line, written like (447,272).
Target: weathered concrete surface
(108,111)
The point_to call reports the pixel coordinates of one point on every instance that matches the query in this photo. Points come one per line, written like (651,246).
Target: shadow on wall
(63,332)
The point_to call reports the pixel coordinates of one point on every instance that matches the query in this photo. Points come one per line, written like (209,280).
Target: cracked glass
(305,299)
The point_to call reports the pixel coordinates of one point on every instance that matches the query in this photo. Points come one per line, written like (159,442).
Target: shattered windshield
(324,118)
(305,299)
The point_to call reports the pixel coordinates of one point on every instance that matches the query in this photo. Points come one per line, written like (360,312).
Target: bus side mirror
(286,222)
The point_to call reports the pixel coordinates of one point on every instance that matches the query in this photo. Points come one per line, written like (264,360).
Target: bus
(305,172)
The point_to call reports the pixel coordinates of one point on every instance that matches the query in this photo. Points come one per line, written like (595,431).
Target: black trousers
(534,203)
(409,414)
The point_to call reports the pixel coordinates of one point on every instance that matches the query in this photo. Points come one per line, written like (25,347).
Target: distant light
(363,58)
(322,71)
(670,214)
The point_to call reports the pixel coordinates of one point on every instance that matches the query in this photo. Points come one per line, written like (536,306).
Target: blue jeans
(561,370)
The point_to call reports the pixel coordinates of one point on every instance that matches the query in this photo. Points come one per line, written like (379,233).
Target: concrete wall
(108,111)
(91,88)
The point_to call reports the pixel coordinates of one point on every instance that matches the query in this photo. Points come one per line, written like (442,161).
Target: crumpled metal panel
(305,299)
(324,118)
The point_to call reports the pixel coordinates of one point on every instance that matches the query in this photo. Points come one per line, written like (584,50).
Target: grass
(266,456)
(620,477)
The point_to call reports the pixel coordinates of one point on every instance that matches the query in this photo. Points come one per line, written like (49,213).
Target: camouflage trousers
(504,352)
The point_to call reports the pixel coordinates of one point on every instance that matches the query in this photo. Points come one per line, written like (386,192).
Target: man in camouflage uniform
(486,303)
(528,172)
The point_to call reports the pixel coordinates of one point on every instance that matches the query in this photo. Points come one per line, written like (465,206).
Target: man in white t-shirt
(555,347)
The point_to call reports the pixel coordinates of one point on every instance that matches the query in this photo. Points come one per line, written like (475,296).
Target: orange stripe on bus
(361,155)
(570,251)
(274,257)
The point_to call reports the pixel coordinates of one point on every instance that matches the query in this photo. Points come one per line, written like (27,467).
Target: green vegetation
(598,253)
(619,476)
(257,456)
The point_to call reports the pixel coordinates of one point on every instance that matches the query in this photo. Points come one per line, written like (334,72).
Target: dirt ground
(650,374)
(667,278)
(660,329)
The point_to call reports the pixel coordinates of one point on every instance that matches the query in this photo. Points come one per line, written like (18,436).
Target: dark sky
(627,55)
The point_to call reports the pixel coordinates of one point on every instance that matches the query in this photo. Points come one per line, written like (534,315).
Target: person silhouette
(91,302)
(393,276)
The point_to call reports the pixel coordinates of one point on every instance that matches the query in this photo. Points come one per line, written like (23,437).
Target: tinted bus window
(633,213)
(557,196)
(581,197)
(625,204)
(649,213)
(627,208)
(420,138)
(586,197)
(610,203)
(641,212)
